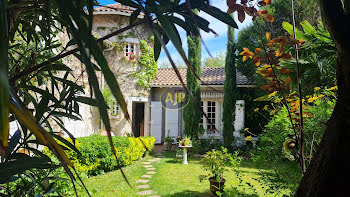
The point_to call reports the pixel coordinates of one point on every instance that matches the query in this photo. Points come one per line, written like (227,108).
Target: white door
(156,121)
(172,123)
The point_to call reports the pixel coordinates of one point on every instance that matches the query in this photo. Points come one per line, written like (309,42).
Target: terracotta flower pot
(215,185)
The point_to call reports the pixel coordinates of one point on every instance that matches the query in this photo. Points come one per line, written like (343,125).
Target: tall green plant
(192,113)
(230,90)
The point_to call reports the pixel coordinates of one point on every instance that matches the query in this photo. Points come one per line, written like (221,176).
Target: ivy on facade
(148,66)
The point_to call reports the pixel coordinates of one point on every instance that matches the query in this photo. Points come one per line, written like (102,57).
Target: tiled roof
(210,76)
(116,7)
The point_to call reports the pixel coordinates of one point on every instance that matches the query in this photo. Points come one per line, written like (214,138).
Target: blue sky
(215,44)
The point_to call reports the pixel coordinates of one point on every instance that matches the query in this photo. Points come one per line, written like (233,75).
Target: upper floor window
(114,109)
(130,50)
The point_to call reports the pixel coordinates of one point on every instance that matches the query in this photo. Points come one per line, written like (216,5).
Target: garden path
(143,188)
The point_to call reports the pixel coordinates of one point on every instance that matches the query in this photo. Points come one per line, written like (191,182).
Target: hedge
(96,154)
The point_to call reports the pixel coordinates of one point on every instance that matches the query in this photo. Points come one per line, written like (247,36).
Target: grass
(173,179)
(113,184)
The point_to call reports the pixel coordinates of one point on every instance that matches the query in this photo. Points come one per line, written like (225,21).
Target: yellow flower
(248,138)
(333,88)
(273,94)
(246,129)
(256,109)
(277,100)
(312,99)
(266,107)
(317,88)
(272,112)
(320,96)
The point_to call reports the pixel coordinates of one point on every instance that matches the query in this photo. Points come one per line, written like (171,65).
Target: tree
(252,36)
(328,172)
(33,90)
(216,61)
(192,113)
(230,90)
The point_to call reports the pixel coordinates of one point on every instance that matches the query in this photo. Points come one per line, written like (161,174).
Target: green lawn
(113,184)
(174,179)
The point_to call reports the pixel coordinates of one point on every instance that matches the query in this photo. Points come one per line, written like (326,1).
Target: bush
(202,146)
(97,157)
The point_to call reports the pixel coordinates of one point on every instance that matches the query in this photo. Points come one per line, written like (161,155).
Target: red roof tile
(116,7)
(210,76)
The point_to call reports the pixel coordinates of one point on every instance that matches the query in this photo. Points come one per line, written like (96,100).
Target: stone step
(142,181)
(146,176)
(145,192)
(142,186)
(151,172)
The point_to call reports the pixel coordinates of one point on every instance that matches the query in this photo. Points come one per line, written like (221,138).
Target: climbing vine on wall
(148,66)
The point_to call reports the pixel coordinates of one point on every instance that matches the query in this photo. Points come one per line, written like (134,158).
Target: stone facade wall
(121,66)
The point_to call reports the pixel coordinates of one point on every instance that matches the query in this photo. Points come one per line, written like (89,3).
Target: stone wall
(121,66)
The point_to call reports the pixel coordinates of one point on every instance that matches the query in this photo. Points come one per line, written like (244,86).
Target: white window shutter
(172,122)
(156,121)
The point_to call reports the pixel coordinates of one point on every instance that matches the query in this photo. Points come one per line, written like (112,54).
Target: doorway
(138,114)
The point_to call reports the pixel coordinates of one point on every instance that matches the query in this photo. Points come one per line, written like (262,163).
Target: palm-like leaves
(42,84)
(317,56)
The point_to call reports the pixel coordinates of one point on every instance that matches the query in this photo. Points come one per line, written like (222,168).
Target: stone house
(165,121)
(149,117)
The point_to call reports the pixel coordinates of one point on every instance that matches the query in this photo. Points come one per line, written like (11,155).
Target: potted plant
(186,141)
(216,162)
(168,142)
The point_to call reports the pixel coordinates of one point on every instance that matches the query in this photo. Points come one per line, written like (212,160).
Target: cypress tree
(230,89)
(192,113)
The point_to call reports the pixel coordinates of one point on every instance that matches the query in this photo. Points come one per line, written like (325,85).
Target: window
(211,116)
(114,109)
(130,50)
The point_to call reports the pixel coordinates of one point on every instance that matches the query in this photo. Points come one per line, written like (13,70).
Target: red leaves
(241,9)
(241,14)
(285,71)
(257,60)
(269,18)
(262,3)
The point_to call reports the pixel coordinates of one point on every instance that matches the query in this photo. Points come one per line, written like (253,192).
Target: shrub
(96,155)
(202,146)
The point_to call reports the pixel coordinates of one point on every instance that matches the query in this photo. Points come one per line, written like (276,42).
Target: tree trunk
(329,171)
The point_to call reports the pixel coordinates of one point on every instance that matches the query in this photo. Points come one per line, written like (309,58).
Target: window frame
(114,110)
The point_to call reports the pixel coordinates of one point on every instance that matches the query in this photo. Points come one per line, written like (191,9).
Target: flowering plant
(178,139)
(186,141)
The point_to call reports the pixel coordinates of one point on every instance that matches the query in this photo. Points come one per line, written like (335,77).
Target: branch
(60,56)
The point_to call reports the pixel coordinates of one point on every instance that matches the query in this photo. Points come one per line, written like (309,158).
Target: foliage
(192,113)
(36,26)
(216,161)
(230,90)
(148,66)
(253,35)
(96,158)
(216,61)
(186,141)
(254,121)
(317,57)
(201,146)
(169,139)
(277,144)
